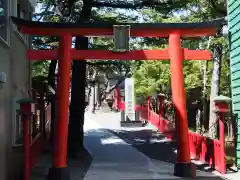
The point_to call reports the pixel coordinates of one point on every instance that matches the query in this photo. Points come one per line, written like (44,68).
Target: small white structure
(129,99)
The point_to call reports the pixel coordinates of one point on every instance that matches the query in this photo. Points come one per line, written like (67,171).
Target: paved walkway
(114,158)
(120,153)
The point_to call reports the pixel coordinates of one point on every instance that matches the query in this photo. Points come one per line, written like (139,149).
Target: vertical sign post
(129,99)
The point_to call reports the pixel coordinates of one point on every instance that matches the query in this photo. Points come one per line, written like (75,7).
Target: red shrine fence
(36,117)
(208,151)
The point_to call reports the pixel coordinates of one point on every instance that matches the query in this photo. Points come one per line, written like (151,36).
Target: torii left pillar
(183,166)
(59,169)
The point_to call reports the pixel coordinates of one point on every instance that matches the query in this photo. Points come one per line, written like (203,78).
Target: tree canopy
(150,76)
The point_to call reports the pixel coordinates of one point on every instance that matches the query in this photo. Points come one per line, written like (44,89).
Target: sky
(124,11)
(134,13)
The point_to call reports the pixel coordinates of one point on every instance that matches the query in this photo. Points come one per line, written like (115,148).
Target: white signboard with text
(129,99)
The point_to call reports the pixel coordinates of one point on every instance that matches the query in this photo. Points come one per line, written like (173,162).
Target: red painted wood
(107,54)
(135,32)
(39,141)
(161,109)
(197,54)
(179,97)
(222,143)
(65,54)
(210,151)
(201,148)
(118,97)
(61,125)
(27,166)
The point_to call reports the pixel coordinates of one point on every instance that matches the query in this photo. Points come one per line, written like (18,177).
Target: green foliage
(150,79)
(150,76)
(40,68)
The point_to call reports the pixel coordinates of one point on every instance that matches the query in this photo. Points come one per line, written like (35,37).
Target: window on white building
(19,136)
(23,14)
(3,19)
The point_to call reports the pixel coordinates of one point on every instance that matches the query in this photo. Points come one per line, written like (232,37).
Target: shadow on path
(151,143)
(113,157)
(157,147)
(78,167)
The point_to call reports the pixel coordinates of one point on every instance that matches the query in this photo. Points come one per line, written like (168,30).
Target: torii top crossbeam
(106,29)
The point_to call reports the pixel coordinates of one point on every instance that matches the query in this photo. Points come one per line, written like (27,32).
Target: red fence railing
(202,148)
(37,120)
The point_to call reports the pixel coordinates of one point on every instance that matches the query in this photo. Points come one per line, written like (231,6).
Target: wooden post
(42,113)
(222,107)
(183,166)
(161,113)
(222,141)
(148,107)
(59,169)
(27,167)
(118,94)
(27,109)
(35,116)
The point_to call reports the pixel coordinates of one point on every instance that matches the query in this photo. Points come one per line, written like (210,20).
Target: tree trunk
(201,115)
(77,106)
(203,125)
(217,58)
(92,103)
(198,121)
(98,98)
(51,82)
(204,100)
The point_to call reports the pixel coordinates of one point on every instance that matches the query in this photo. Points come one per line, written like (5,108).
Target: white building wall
(14,63)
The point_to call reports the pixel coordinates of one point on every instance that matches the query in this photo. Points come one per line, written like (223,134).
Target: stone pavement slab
(115,159)
(233,176)
(77,168)
(115,156)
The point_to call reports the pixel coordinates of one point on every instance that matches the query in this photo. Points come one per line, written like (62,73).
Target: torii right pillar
(183,166)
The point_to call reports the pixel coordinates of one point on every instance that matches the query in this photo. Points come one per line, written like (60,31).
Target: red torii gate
(65,54)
